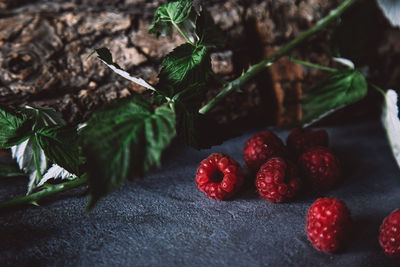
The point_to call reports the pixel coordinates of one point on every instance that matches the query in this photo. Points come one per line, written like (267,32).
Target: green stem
(255,69)
(47,191)
(380,90)
(182,33)
(311,65)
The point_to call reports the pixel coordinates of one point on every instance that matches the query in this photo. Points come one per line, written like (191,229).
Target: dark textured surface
(164,220)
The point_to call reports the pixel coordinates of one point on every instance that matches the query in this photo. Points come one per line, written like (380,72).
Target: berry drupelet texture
(260,148)
(300,140)
(277,180)
(320,168)
(328,221)
(219,176)
(389,234)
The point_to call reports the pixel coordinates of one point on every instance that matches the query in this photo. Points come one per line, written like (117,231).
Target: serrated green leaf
(338,90)
(186,66)
(42,117)
(31,159)
(197,130)
(14,129)
(105,56)
(208,32)
(123,141)
(169,14)
(60,146)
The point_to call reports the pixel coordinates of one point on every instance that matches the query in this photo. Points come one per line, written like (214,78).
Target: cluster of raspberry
(279,179)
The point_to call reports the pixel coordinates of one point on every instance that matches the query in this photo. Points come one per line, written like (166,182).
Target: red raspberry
(277,180)
(260,148)
(389,236)
(300,140)
(219,176)
(319,167)
(328,220)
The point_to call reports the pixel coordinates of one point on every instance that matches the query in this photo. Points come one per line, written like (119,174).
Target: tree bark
(44,48)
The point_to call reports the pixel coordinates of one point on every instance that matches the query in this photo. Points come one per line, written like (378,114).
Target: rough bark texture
(44,48)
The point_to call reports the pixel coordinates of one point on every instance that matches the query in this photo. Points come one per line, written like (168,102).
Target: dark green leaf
(60,146)
(104,55)
(124,140)
(208,32)
(42,117)
(169,14)
(197,130)
(338,90)
(186,66)
(10,170)
(14,129)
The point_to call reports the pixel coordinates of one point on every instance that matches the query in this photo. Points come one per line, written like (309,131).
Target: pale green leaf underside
(105,56)
(32,160)
(391,122)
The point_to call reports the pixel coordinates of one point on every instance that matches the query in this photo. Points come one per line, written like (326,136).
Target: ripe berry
(300,140)
(277,180)
(319,167)
(260,148)
(389,236)
(328,220)
(219,176)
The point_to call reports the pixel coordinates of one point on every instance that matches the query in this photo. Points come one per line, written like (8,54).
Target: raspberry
(219,176)
(300,140)
(260,148)
(389,236)
(277,180)
(328,220)
(320,168)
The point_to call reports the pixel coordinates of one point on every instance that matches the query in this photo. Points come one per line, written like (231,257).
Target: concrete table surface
(164,220)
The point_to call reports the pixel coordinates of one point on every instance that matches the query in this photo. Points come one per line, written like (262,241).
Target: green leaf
(105,56)
(60,146)
(208,32)
(14,129)
(169,14)
(338,90)
(186,66)
(123,141)
(10,170)
(197,130)
(32,160)
(42,117)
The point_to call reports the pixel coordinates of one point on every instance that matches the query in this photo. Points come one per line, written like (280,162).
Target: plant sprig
(126,139)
